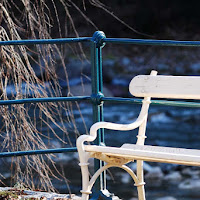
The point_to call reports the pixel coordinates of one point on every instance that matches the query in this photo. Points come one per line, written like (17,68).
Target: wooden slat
(179,87)
(151,153)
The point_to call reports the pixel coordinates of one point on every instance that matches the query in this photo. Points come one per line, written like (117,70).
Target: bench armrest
(108,125)
(113,126)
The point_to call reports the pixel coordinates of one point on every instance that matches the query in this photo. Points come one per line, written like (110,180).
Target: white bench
(147,86)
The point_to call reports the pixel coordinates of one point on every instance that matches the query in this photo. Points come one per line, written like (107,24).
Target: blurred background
(65,70)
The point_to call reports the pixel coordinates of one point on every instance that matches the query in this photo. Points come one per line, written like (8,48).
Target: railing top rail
(152,42)
(105,40)
(45,41)
(37,152)
(43,100)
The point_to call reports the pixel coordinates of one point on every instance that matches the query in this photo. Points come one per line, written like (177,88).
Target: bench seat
(150,153)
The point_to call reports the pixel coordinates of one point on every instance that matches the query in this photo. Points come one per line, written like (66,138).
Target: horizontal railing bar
(45,41)
(157,102)
(43,100)
(106,99)
(177,103)
(152,42)
(107,40)
(121,100)
(36,152)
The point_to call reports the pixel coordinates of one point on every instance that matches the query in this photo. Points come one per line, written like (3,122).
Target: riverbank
(23,194)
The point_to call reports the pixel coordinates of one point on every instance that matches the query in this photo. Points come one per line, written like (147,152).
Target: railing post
(97,94)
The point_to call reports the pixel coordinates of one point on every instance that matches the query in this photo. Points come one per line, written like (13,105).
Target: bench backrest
(178,87)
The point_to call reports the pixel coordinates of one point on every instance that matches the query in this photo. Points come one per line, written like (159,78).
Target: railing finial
(96,98)
(98,37)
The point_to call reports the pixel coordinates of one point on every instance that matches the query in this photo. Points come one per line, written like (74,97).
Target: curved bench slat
(179,87)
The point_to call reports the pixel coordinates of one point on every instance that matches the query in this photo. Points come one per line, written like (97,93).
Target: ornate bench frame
(146,86)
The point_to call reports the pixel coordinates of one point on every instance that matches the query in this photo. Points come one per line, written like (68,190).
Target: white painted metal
(150,153)
(179,87)
(147,87)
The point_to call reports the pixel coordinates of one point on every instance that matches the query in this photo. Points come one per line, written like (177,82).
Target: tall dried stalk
(21,131)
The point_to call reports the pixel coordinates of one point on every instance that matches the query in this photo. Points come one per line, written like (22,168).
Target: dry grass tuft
(21,131)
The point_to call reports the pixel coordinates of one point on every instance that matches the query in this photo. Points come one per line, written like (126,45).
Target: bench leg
(138,183)
(85,177)
(105,167)
(87,185)
(141,183)
(141,192)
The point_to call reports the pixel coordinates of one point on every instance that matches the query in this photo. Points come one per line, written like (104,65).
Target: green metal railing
(97,98)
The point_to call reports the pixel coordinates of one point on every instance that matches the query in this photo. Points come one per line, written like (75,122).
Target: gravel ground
(14,193)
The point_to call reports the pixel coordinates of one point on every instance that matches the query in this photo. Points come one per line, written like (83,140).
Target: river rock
(173,176)
(122,175)
(151,171)
(147,167)
(166,198)
(155,173)
(193,184)
(191,173)
(167,168)
(125,178)
(160,118)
